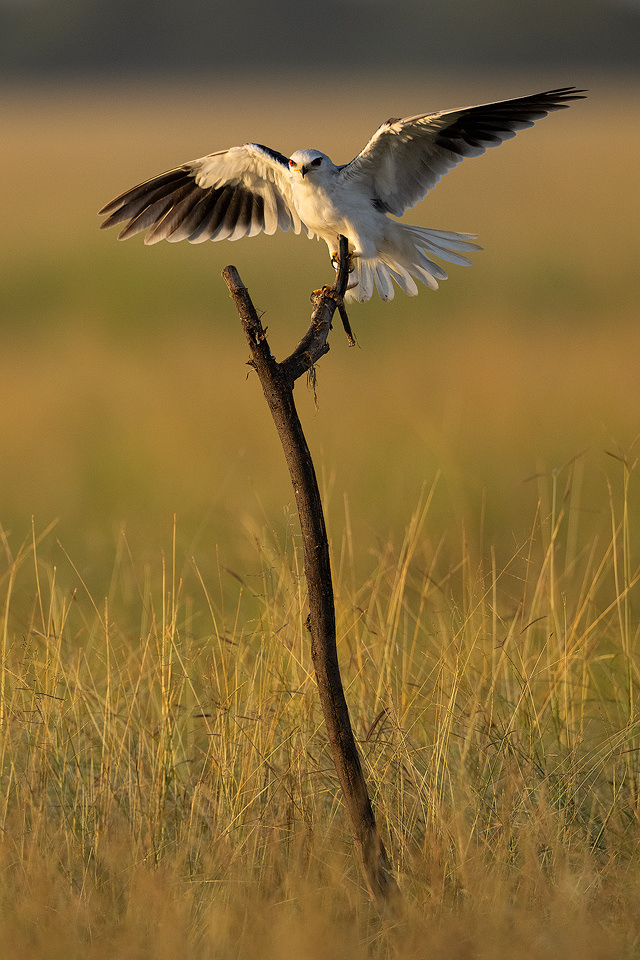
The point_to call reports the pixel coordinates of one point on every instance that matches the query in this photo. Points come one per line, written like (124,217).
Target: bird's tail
(405,259)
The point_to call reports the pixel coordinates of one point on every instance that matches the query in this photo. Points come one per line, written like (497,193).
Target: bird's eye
(291,163)
(317,161)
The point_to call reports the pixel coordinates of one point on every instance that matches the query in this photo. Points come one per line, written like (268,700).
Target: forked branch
(277,380)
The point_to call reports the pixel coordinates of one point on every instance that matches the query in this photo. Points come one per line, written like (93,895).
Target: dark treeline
(109,36)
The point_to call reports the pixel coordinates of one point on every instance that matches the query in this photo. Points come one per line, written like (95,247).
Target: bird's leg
(335,259)
(336,292)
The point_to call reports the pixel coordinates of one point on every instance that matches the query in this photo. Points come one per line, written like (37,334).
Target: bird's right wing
(231,194)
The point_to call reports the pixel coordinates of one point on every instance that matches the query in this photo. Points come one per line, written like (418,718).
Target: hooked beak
(303,171)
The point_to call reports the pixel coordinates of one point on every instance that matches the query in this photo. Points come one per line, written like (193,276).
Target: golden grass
(167,786)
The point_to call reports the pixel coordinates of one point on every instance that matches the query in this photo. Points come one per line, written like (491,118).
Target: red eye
(317,161)
(291,163)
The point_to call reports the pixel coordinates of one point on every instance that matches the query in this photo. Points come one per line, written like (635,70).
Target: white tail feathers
(405,258)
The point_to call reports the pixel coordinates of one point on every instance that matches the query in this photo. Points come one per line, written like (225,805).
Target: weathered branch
(277,380)
(314,343)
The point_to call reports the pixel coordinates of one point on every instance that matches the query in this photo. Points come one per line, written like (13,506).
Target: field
(166,782)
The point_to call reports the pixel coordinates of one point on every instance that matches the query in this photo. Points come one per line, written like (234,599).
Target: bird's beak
(303,170)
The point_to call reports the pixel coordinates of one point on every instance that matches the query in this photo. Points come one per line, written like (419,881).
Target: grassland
(166,783)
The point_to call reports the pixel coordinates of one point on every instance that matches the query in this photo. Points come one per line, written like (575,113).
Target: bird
(249,189)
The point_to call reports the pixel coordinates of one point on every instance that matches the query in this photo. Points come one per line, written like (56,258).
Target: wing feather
(226,195)
(406,158)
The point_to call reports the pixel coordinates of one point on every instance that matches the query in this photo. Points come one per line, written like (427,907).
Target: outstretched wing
(406,158)
(227,195)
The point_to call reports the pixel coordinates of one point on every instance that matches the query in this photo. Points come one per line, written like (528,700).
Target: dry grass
(166,784)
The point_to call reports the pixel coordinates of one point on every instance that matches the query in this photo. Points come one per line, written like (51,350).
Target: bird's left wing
(224,196)
(406,158)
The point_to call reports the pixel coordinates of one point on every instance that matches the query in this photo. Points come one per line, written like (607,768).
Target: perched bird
(245,190)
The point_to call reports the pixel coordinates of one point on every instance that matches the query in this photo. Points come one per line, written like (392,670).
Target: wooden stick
(277,380)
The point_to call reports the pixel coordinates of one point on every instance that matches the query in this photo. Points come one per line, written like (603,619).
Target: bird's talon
(321,291)
(351,256)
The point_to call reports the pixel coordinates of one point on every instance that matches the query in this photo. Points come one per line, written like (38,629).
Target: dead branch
(277,380)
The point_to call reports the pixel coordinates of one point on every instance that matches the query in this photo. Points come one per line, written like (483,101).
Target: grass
(166,782)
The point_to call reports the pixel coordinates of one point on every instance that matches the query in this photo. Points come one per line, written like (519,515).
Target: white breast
(330,207)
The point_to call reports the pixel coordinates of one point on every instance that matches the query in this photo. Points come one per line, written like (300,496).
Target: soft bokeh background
(45,36)
(125,398)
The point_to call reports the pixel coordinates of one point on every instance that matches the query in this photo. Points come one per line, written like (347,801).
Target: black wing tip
(115,209)
(571,93)
(109,222)
(115,215)
(568,89)
(110,210)
(559,97)
(556,99)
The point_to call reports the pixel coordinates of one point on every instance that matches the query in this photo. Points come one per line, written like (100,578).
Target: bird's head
(304,162)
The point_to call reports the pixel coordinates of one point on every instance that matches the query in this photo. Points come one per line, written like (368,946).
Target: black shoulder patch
(274,154)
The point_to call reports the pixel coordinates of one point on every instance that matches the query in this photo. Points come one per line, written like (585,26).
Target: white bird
(245,190)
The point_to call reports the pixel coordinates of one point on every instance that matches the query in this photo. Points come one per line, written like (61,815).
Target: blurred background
(106,36)
(124,394)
